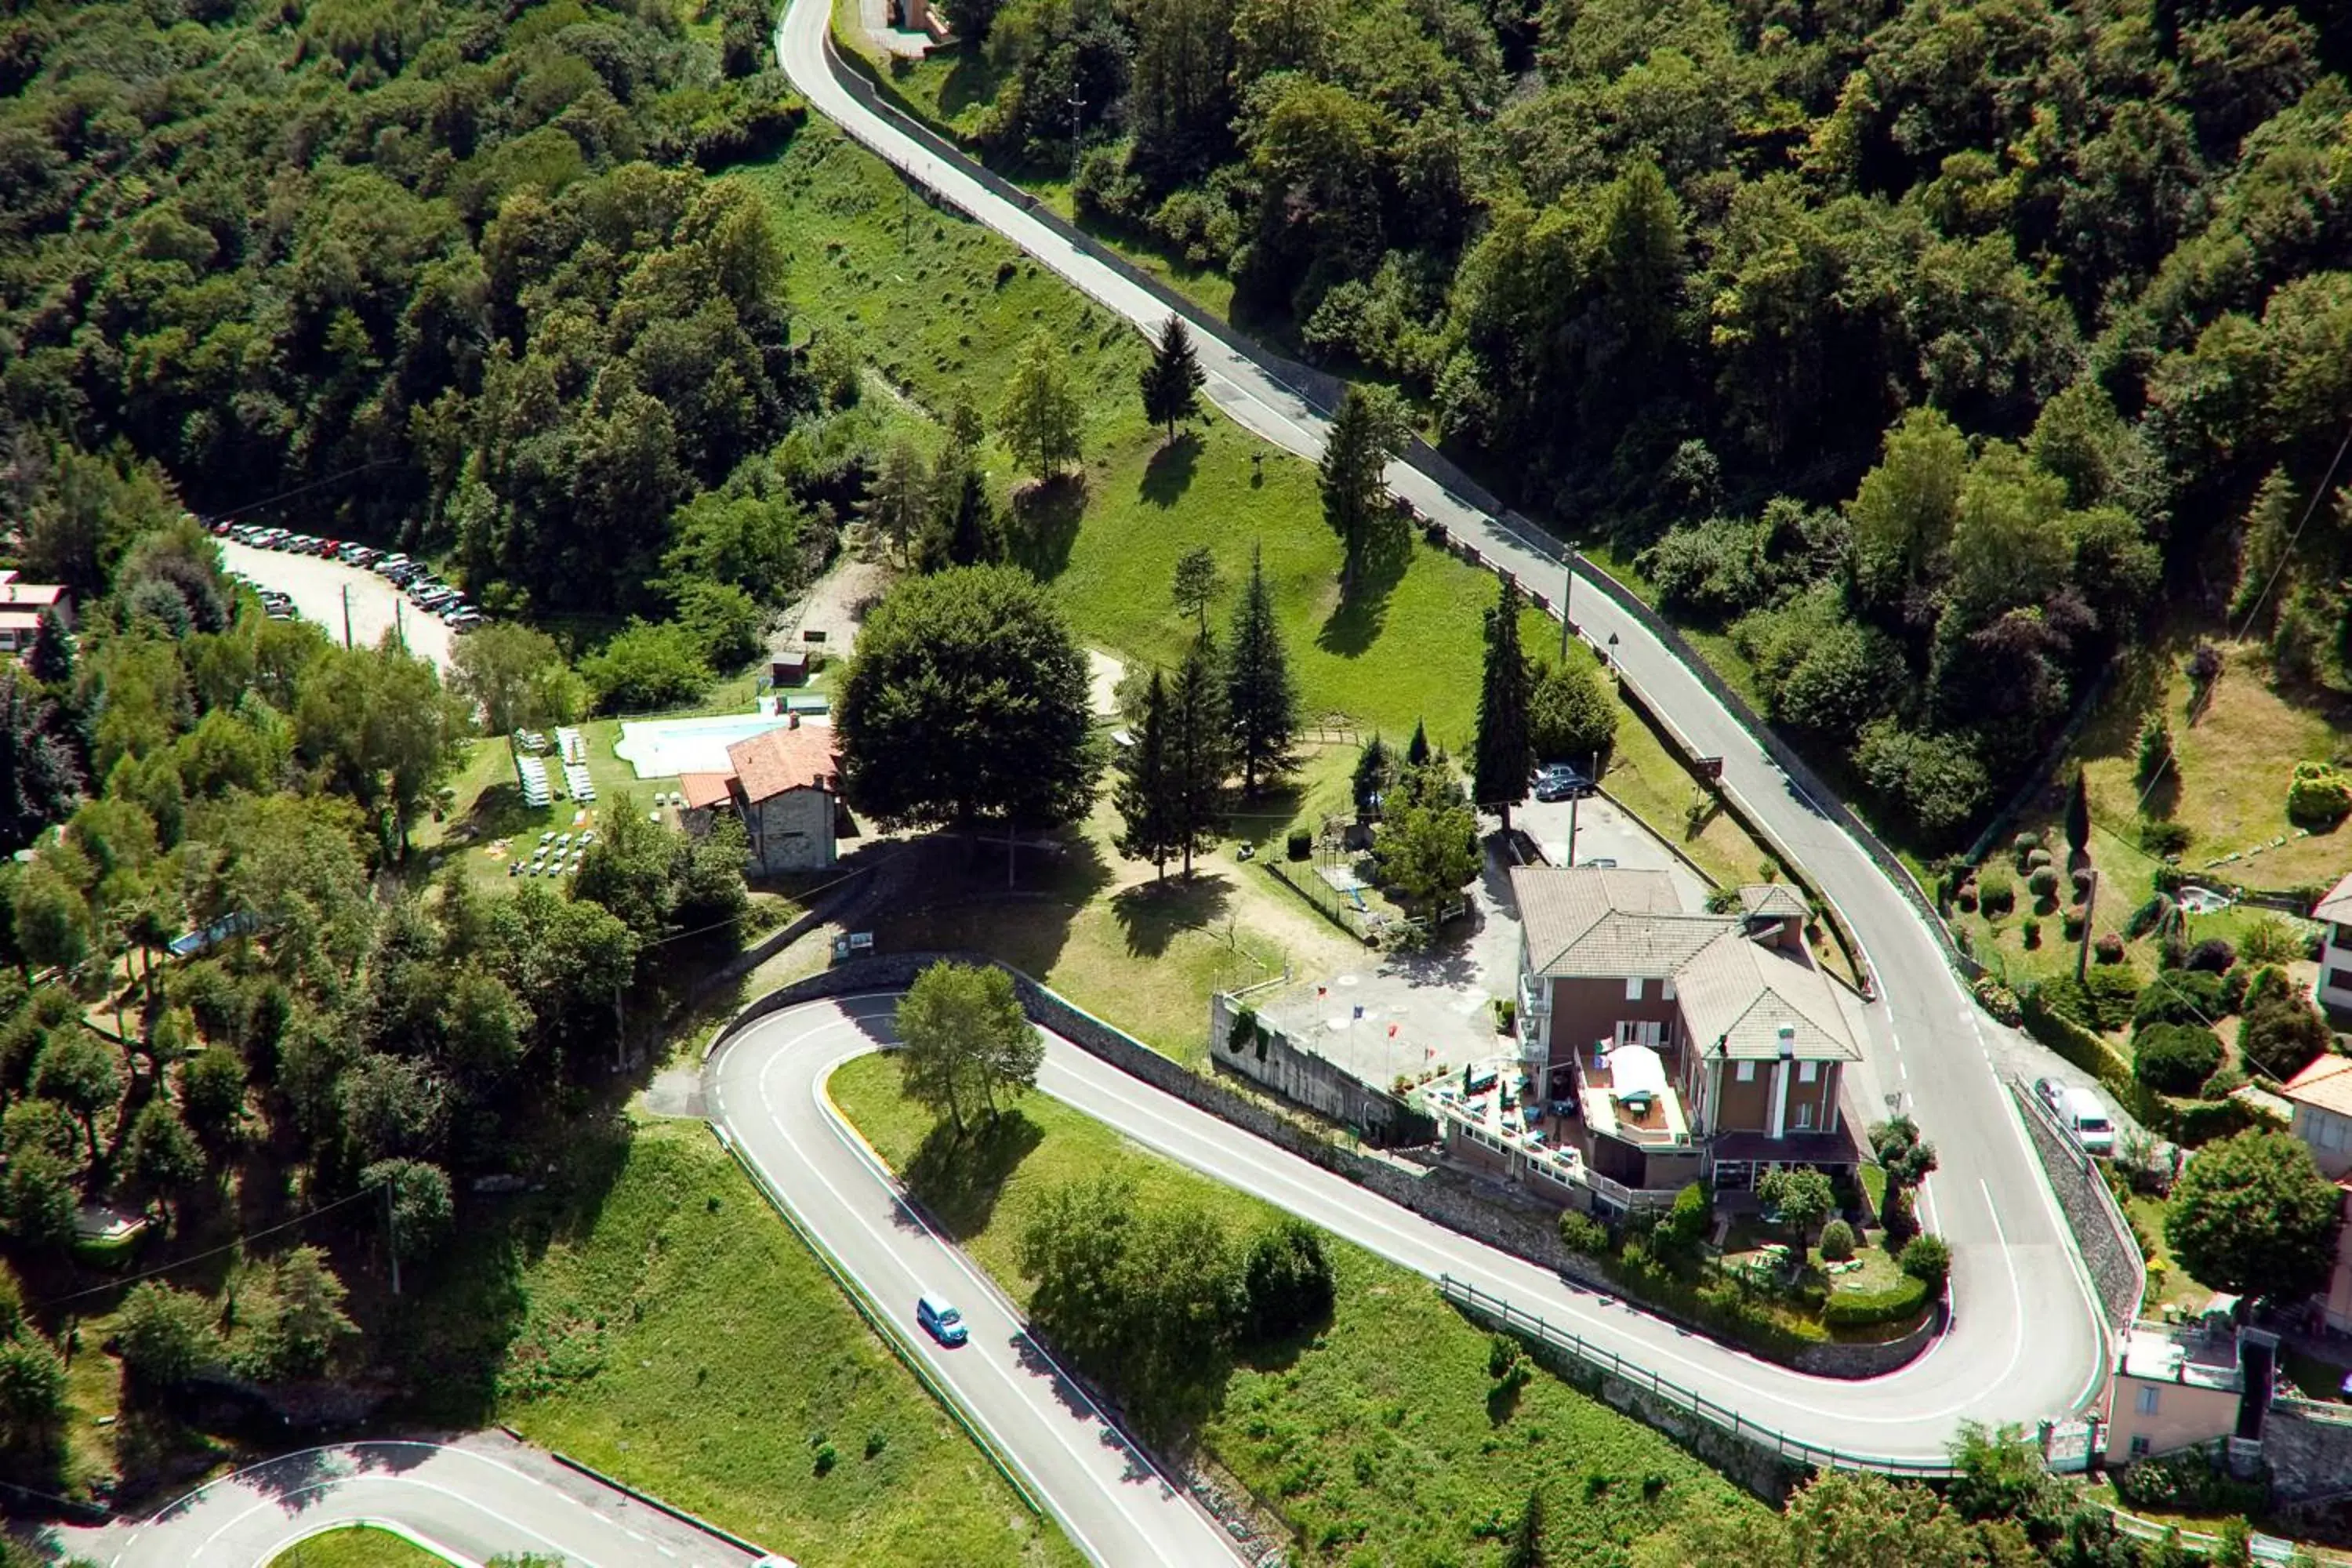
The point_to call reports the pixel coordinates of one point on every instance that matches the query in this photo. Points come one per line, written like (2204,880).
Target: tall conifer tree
(1144,795)
(1504,754)
(1262,702)
(1172,381)
(1200,754)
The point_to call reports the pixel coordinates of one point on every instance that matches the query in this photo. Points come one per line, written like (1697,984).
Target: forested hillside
(455,274)
(2069,270)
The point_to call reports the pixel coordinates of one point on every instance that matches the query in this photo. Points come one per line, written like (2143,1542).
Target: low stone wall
(2119,1272)
(1498,1217)
(2308,1448)
(1322,1086)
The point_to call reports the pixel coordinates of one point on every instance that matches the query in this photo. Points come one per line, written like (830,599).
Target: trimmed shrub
(1996,894)
(2171,951)
(2319,795)
(2030,929)
(2038,858)
(2187,1481)
(2080,880)
(2175,1058)
(2156,910)
(2108,949)
(2042,883)
(2214,954)
(2283,1034)
(1300,844)
(2025,845)
(2071,921)
(1995,998)
(1583,1235)
(1966,897)
(1869,1308)
(2162,839)
(1837,1241)
(1928,1261)
(2184,996)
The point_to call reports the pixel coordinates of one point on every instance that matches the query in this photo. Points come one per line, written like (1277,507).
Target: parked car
(943,1322)
(451,609)
(2078,1110)
(1558,781)
(467,621)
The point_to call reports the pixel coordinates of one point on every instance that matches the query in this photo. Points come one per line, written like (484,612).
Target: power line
(213,1252)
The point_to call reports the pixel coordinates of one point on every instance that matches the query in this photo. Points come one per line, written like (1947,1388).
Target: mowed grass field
(651,1315)
(1376,1442)
(356,1546)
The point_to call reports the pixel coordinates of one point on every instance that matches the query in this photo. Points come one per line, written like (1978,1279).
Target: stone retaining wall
(1322,1085)
(2308,1448)
(2117,1271)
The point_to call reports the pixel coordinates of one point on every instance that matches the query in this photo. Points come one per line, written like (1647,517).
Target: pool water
(665,748)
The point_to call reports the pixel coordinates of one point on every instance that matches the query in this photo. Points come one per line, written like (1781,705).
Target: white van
(2078,1110)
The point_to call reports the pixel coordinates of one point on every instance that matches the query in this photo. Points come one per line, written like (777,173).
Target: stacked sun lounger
(532,772)
(577,782)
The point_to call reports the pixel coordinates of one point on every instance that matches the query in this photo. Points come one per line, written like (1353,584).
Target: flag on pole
(1392,1031)
(1359,1010)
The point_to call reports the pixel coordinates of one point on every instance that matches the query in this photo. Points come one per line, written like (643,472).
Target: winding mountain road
(2027,1339)
(466,1500)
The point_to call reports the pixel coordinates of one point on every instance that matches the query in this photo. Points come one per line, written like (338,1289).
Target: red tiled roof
(20,593)
(777,761)
(704,789)
(2326,1084)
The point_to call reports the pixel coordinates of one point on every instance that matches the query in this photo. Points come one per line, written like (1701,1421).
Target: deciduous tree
(2252,1215)
(968,701)
(1039,415)
(966,1044)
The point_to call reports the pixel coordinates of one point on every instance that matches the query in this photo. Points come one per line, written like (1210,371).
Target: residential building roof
(1770,898)
(2324,1085)
(1588,922)
(776,762)
(20,620)
(2337,905)
(36,595)
(1738,998)
(702,790)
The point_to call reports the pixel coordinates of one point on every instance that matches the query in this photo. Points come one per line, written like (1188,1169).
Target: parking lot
(317,586)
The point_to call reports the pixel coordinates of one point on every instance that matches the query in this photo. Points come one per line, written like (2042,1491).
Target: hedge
(2188,1481)
(1868,1309)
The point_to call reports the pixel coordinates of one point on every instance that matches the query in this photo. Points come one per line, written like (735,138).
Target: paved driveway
(317,587)
(1605,831)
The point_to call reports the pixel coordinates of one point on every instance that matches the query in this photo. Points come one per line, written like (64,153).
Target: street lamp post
(1568,598)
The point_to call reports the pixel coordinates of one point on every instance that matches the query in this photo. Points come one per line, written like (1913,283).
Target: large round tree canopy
(967,700)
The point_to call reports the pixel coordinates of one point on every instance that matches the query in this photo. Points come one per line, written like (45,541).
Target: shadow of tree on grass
(1151,913)
(1355,623)
(1169,474)
(957,1177)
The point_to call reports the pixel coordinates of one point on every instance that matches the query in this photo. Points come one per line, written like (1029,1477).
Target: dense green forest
(1950,338)
(453,273)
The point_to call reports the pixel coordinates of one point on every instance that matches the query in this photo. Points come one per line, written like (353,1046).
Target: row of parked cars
(413,577)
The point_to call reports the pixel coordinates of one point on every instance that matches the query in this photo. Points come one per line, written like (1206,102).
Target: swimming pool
(664,748)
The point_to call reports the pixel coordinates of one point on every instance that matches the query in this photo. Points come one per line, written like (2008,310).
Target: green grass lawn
(356,1546)
(1376,1443)
(2169,1284)
(651,1315)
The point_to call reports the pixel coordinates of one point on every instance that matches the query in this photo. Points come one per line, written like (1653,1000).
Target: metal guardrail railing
(1495,1310)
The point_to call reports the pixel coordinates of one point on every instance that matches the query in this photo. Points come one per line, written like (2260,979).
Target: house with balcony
(1663,1046)
(2335,914)
(2321,1095)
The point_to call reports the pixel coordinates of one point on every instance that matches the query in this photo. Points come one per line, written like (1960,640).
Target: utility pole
(1567,601)
(400,622)
(1077,102)
(347,616)
(1574,796)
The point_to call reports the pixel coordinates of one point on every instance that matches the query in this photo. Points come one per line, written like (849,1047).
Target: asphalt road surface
(471,1500)
(2027,1340)
(315,585)
(765,1088)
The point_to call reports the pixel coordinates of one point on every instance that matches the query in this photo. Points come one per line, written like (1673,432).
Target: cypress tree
(1416,750)
(1199,754)
(2078,816)
(1372,780)
(963,529)
(1258,690)
(50,660)
(1143,794)
(1172,381)
(1504,754)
